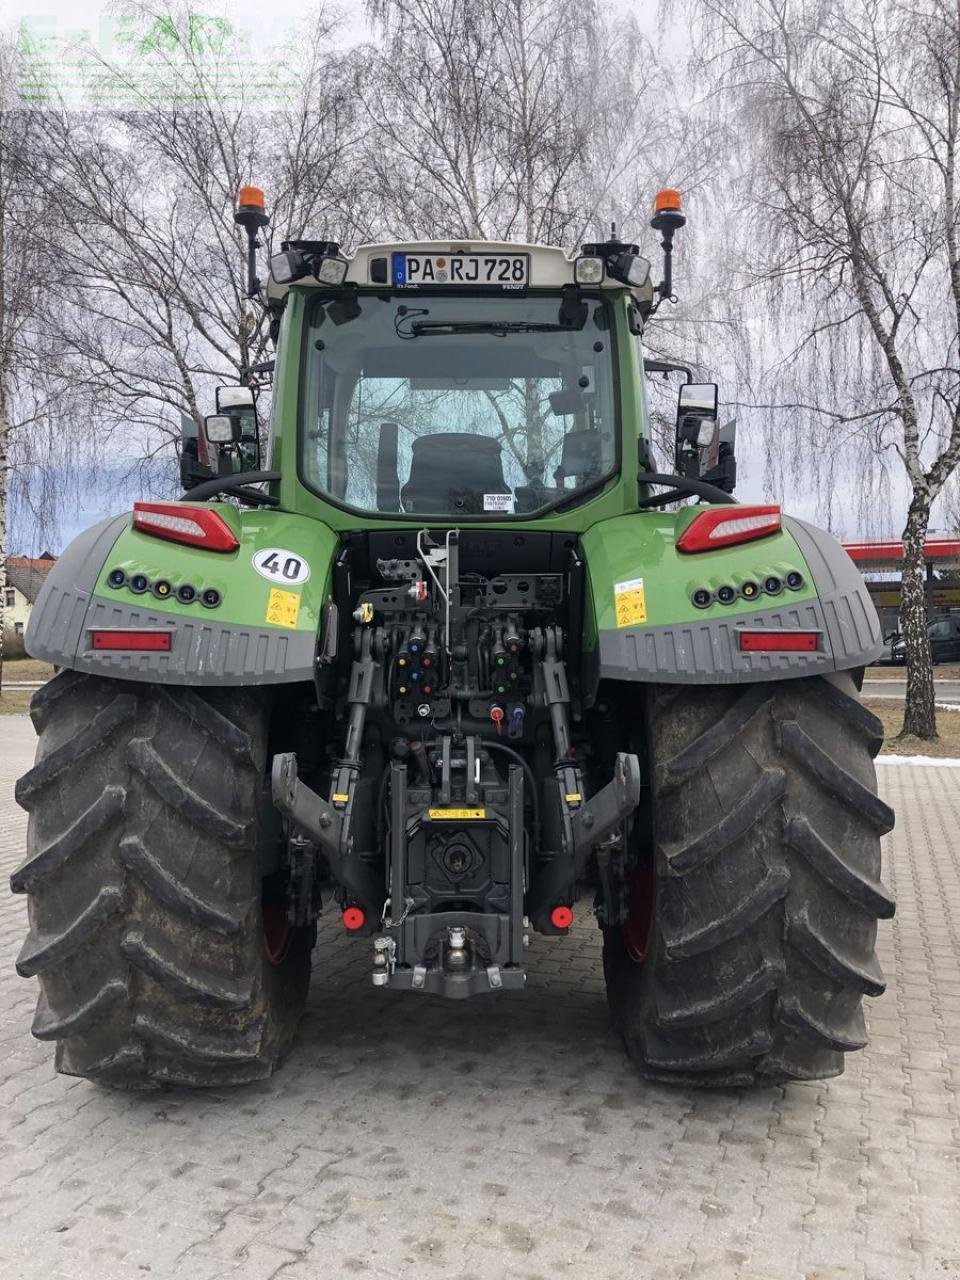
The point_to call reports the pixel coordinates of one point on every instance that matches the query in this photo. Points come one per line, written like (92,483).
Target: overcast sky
(267,23)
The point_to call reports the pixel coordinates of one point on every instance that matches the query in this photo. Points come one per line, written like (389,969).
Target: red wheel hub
(276,932)
(638,926)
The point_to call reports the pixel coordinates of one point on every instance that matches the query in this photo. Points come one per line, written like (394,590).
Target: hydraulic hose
(528,772)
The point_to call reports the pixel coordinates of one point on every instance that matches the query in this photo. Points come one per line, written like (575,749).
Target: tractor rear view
(441,653)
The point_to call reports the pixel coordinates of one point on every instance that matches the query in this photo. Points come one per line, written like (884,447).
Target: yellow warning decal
(630,601)
(283,608)
(459,815)
(340,797)
(573,797)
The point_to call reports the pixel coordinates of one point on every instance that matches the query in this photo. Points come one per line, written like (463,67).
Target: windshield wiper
(499,328)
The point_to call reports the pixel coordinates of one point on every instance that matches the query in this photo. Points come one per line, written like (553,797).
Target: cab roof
(550,267)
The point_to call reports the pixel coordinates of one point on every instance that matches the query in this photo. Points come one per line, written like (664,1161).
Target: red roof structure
(883,555)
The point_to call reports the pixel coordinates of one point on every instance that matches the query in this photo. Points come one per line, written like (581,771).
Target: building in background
(881,564)
(25,577)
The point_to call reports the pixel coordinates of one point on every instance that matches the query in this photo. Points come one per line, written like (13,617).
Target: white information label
(498,502)
(279,565)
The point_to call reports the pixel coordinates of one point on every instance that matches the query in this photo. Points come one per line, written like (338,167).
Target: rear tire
(144,884)
(766,885)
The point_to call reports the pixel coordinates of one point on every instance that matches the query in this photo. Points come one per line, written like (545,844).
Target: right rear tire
(147,922)
(761,894)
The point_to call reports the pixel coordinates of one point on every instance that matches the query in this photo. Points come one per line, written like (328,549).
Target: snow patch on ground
(937,762)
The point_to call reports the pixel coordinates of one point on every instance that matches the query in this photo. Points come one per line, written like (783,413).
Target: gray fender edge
(205,652)
(707,652)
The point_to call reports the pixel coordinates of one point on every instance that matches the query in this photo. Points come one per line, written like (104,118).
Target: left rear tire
(157,961)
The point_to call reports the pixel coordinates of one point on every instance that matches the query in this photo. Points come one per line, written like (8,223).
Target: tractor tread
(843,785)
(159,959)
(764,930)
(726,1003)
(178,795)
(52,856)
(832,958)
(229,735)
(868,893)
(146,930)
(43,949)
(219,915)
(843,1034)
(48,1025)
(715,1054)
(771,890)
(202,1046)
(123,707)
(695,755)
(46,696)
(735,824)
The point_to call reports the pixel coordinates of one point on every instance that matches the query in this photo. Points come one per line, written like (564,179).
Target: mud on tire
(144,886)
(766,885)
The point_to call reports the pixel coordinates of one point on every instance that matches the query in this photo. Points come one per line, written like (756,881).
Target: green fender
(262,627)
(643,622)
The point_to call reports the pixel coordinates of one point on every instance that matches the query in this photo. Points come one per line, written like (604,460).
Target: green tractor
(456,667)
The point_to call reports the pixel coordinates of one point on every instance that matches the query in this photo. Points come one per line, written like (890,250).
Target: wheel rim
(276,932)
(638,926)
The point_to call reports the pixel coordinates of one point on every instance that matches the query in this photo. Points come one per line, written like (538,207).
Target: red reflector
(561,917)
(177,522)
(779,641)
(155,641)
(726,526)
(354,918)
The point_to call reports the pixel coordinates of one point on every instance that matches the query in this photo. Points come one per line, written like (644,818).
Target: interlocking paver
(503,1139)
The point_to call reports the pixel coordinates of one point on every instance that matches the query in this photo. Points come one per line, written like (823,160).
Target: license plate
(503,270)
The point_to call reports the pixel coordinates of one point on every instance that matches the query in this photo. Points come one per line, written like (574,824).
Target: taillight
(726,526)
(196,526)
(778,641)
(151,641)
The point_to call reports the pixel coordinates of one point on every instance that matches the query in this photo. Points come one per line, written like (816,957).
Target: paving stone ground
(503,1136)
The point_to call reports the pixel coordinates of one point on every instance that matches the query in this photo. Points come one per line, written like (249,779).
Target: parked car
(944,636)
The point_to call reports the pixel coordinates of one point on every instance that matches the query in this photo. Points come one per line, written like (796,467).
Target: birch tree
(850,114)
(145,191)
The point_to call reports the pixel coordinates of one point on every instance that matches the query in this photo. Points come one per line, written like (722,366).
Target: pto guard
(649,629)
(263,630)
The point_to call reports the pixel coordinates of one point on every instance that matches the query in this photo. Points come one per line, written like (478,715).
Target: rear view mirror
(239,405)
(228,398)
(698,431)
(564,404)
(194,454)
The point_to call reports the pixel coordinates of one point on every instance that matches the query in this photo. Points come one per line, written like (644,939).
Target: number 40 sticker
(277,565)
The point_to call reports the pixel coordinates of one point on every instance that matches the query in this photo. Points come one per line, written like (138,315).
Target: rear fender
(264,630)
(646,626)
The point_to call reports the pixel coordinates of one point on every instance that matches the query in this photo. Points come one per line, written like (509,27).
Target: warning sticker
(498,502)
(283,608)
(630,601)
(461,815)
